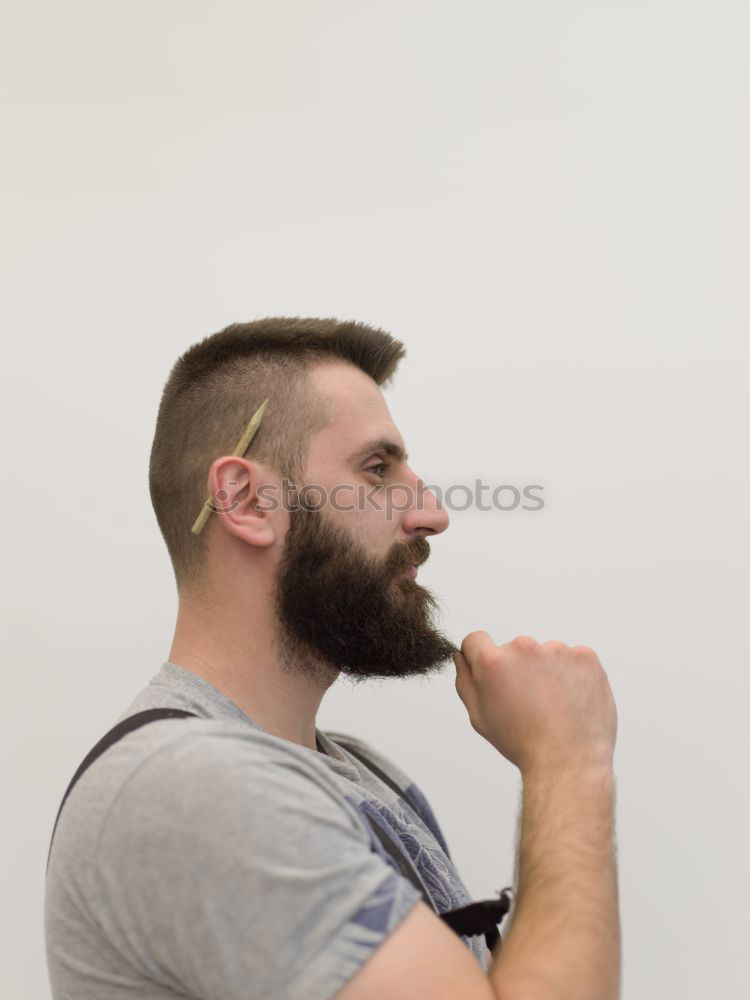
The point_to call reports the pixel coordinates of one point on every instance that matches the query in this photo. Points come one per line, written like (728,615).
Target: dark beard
(340,611)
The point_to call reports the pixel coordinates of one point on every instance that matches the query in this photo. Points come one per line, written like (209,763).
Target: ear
(246,499)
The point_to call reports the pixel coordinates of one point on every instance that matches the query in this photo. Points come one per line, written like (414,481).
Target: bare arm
(564,938)
(549,710)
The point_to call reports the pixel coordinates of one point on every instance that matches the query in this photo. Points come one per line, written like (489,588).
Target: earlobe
(252,526)
(254,519)
(262,533)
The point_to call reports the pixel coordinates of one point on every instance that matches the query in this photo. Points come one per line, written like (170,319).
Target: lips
(410,571)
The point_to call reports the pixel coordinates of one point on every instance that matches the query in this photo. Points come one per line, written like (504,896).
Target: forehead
(357,411)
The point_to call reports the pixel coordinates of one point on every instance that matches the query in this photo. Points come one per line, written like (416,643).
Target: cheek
(361,510)
(368,529)
(373,532)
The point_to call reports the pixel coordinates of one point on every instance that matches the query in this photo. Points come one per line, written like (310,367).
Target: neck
(250,662)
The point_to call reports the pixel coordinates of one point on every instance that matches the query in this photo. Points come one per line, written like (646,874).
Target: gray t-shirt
(207,859)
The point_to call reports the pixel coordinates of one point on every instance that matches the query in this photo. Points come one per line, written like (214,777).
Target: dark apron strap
(116,733)
(481,917)
(391,782)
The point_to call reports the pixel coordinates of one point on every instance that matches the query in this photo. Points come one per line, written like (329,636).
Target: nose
(426,514)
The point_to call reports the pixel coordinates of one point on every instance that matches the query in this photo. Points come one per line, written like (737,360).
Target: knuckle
(584,653)
(525,643)
(555,645)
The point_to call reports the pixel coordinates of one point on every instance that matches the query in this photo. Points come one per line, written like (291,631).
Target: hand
(545,705)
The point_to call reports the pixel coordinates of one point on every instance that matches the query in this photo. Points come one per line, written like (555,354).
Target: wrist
(597,773)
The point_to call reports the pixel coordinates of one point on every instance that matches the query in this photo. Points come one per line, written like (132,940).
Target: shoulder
(218,773)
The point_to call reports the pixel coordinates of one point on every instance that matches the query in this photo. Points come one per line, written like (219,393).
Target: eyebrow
(380,444)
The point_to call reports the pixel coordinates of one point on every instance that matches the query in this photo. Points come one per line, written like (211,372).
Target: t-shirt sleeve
(230,873)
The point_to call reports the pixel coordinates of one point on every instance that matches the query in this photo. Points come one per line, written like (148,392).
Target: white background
(548,203)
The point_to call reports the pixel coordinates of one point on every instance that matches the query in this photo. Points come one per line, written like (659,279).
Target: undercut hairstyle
(213,390)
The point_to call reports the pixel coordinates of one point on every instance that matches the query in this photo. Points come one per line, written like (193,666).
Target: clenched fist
(542,705)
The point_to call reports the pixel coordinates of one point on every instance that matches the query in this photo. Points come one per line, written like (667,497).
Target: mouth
(410,571)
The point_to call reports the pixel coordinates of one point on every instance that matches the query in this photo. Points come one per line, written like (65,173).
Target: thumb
(460,661)
(475,644)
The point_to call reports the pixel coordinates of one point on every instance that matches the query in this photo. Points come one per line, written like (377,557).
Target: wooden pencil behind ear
(240,449)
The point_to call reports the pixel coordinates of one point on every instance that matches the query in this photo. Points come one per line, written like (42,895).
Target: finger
(464,682)
(460,660)
(476,644)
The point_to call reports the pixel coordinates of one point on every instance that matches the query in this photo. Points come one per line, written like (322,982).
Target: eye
(380,465)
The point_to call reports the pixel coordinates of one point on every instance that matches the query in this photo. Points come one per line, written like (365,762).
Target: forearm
(564,937)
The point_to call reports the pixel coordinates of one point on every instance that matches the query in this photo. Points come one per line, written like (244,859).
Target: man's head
(333,569)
